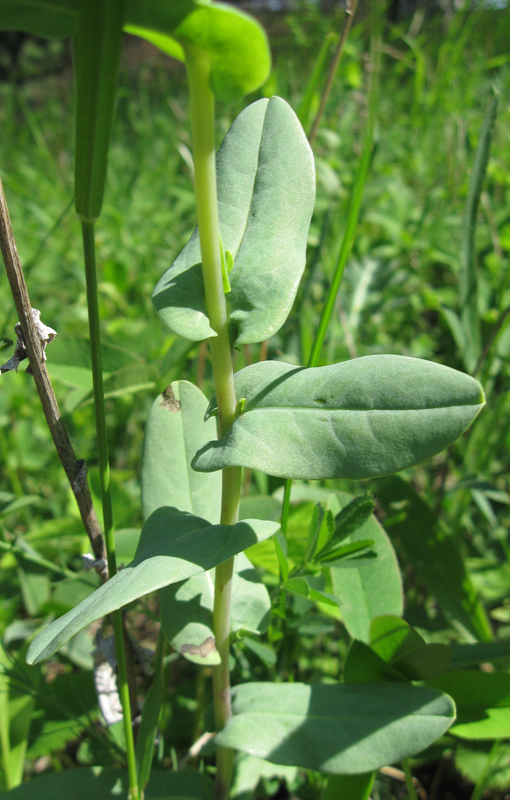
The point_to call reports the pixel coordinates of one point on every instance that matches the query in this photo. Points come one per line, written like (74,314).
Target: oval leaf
(265,162)
(359,419)
(173,546)
(235,42)
(174,431)
(186,611)
(343,729)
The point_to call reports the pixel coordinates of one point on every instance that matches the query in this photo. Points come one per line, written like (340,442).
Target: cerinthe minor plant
(233,284)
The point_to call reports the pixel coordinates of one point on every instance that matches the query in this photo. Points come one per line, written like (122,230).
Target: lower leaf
(341,729)
(173,546)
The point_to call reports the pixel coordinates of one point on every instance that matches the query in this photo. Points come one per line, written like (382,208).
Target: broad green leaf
(402,646)
(482,700)
(358,419)
(235,43)
(265,162)
(54,19)
(364,665)
(107,784)
(97,47)
(434,553)
(349,787)
(173,546)
(343,729)
(186,611)
(174,431)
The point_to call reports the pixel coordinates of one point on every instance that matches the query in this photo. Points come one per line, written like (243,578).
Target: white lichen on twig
(45,334)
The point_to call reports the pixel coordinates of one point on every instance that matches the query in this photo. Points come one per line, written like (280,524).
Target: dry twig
(31,340)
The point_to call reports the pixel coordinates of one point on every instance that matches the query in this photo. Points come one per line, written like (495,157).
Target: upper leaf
(359,419)
(49,18)
(173,546)
(343,729)
(235,42)
(266,192)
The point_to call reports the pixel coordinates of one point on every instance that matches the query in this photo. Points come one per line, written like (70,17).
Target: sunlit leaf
(344,729)
(265,162)
(173,546)
(358,419)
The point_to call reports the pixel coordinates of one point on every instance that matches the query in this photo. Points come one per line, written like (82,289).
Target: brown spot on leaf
(170,401)
(203,650)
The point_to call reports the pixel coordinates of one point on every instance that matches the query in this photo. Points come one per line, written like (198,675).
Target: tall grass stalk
(106,497)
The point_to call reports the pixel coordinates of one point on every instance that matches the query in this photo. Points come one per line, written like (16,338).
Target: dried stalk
(75,469)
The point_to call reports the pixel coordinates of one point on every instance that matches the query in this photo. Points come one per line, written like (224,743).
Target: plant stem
(204,159)
(106,498)
(411,792)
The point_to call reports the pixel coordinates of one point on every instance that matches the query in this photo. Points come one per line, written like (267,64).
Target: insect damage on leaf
(170,401)
(207,647)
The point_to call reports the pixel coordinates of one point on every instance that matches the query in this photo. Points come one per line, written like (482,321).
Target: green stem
(204,159)
(89,252)
(411,792)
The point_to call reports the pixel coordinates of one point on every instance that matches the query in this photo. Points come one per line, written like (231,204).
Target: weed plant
(446,519)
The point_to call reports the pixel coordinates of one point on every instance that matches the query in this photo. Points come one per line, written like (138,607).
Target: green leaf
(435,555)
(97,47)
(266,163)
(108,784)
(402,646)
(302,587)
(235,43)
(174,431)
(473,653)
(49,18)
(485,759)
(352,550)
(186,611)
(173,546)
(482,700)
(363,665)
(343,729)
(349,787)
(59,18)
(359,419)
(348,521)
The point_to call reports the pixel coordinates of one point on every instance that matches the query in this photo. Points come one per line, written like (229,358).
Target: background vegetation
(400,294)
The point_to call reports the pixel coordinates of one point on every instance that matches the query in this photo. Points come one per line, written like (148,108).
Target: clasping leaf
(359,419)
